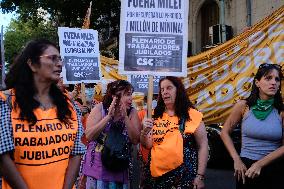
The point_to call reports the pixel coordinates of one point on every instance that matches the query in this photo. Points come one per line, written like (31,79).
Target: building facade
(228,18)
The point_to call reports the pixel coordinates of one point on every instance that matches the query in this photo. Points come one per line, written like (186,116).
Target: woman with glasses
(114,117)
(260,163)
(177,139)
(40,128)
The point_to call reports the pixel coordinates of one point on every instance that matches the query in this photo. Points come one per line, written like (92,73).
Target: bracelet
(200,176)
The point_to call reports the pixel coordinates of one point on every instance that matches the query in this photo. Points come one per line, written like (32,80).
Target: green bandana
(262,108)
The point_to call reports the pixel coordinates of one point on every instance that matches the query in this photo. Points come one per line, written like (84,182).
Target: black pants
(271,176)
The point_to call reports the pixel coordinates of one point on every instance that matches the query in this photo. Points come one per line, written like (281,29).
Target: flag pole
(86,25)
(150,96)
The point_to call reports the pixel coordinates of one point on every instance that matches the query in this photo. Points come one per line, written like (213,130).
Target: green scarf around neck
(262,108)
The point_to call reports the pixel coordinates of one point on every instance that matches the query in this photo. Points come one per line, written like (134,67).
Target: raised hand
(123,110)
(85,109)
(75,92)
(112,106)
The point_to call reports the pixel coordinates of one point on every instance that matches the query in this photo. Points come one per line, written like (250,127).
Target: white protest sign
(153,37)
(140,83)
(80,49)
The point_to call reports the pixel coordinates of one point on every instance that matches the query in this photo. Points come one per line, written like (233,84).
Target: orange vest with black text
(167,150)
(42,150)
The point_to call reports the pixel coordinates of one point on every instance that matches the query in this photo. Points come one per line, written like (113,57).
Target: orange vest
(167,149)
(42,150)
(2,96)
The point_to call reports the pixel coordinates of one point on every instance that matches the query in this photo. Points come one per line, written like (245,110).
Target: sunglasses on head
(267,65)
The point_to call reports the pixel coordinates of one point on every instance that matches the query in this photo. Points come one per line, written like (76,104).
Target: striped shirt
(6,131)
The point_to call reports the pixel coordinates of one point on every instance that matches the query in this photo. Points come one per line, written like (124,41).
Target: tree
(19,32)
(71,13)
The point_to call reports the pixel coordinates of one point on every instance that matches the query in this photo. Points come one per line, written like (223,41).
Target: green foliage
(19,33)
(105,16)
(68,13)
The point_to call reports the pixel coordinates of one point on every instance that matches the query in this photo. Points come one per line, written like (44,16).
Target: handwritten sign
(80,49)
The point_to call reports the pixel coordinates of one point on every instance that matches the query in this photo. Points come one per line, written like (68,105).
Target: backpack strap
(103,112)
(100,137)
(182,125)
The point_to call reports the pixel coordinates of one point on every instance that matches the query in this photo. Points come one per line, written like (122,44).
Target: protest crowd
(42,127)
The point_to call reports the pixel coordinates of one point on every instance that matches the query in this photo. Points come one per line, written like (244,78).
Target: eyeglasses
(53,57)
(267,65)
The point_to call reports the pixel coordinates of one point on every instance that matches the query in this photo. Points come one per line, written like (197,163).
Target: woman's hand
(123,110)
(198,182)
(147,124)
(73,94)
(76,90)
(85,110)
(254,170)
(111,108)
(240,170)
(145,137)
